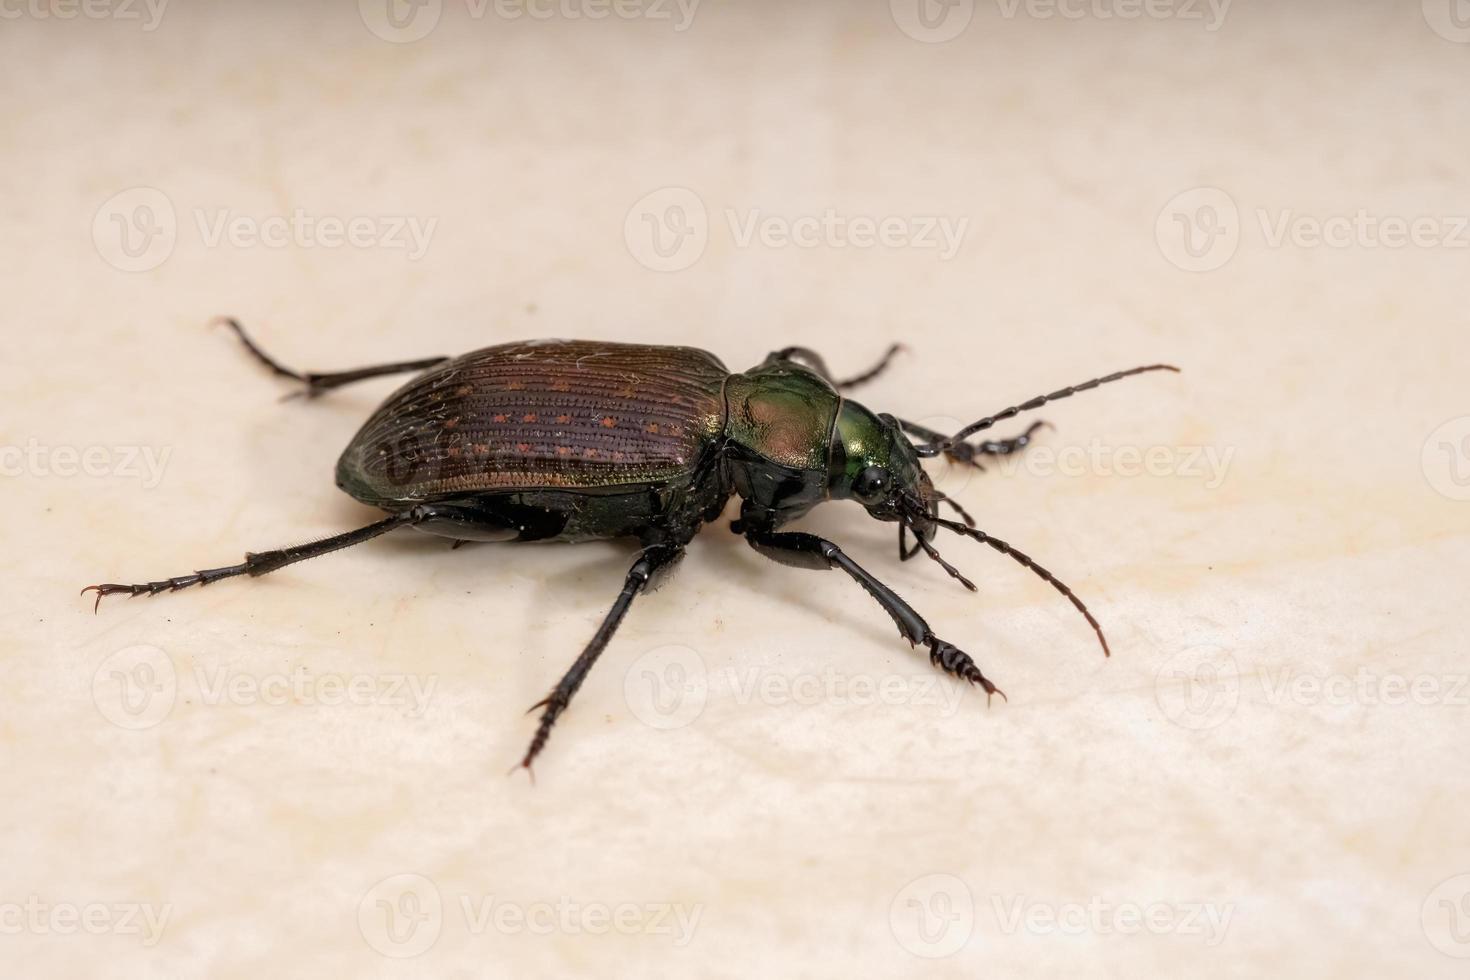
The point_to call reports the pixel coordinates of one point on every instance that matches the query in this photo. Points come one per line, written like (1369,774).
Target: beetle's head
(874,463)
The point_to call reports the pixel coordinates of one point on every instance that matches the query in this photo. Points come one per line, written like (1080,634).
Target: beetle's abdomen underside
(539,414)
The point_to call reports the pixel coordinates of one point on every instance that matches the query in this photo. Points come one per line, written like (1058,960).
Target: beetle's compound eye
(871,485)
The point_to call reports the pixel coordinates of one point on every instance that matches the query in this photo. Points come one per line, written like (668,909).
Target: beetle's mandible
(564,440)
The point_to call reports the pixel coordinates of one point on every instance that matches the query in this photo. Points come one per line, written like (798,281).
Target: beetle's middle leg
(813,360)
(318,382)
(261,562)
(650,563)
(801,550)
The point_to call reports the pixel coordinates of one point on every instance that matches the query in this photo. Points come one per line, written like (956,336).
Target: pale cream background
(1185,771)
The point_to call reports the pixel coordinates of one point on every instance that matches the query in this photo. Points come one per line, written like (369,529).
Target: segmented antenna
(1025,559)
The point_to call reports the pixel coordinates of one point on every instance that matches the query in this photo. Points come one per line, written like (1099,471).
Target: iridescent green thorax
(865,440)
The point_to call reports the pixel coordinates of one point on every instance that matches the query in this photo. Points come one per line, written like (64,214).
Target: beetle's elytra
(577,440)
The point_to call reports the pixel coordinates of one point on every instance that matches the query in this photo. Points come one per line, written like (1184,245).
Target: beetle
(567,440)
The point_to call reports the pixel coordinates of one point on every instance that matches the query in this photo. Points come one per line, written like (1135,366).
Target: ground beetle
(566,440)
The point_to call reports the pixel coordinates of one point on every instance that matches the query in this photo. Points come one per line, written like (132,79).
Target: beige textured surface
(1204,779)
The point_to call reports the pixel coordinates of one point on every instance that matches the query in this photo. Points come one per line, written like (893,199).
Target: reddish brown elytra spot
(589,453)
(563,450)
(529,417)
(481,448)
(524,447)
(561,384)
(652,427)
(464,391)
(501,417)
(563,419)
(608,421)
(451,423)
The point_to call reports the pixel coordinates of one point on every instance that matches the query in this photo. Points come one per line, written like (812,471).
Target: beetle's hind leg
(261,562)
(650,563)
(319,382)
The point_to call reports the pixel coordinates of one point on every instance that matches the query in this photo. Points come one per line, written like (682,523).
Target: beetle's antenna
(1025,559)
(964,514)
(933,553)
(938,446)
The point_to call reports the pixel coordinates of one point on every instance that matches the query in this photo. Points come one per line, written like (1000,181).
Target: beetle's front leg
(650,563)
(801,550)
(967,452)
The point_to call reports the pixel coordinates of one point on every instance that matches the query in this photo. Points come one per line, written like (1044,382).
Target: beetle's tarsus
(952,660)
